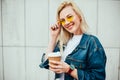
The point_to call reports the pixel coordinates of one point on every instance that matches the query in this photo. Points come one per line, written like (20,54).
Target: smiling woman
(83,57)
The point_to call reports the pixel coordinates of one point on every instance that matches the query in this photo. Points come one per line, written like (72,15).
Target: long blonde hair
(65,35)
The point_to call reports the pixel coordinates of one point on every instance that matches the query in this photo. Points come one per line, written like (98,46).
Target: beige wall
(24,35)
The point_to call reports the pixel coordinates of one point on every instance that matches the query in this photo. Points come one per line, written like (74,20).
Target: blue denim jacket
(88,58)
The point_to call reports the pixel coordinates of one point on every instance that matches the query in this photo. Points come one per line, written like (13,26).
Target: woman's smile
(69,26)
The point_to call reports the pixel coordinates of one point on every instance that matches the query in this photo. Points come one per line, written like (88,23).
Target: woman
(83,57)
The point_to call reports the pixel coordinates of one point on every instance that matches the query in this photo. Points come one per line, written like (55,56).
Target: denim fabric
(88,58)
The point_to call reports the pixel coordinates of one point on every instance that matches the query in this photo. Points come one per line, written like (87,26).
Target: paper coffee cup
(56,56)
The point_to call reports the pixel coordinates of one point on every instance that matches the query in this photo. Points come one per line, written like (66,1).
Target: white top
(71,45)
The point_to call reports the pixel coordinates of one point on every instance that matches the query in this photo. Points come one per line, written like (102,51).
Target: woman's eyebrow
(68,15)
(62,19)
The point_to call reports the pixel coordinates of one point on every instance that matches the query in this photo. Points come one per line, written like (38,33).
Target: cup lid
(54,54)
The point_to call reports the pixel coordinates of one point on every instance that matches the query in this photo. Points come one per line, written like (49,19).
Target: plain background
(24,35)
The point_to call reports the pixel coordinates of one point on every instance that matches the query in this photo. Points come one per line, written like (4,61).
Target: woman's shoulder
(92,39)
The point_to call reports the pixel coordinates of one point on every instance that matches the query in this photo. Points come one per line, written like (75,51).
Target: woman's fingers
(54,66)
(56,70)
(58,67)
(55,62)
(54,27)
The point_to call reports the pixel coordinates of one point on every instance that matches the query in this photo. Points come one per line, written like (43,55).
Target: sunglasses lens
(69,18)
(62,22)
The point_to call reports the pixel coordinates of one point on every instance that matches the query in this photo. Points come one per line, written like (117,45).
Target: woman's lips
(70,25)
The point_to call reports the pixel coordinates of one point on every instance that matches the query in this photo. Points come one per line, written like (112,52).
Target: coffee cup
(55,56)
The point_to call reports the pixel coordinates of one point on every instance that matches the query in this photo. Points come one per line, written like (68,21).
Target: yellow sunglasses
(68,18)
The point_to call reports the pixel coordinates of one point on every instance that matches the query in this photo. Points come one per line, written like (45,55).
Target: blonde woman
(83,57)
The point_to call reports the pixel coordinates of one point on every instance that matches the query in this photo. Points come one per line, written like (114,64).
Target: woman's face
(70,20)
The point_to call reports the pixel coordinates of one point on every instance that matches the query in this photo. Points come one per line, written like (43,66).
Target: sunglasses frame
(68,18)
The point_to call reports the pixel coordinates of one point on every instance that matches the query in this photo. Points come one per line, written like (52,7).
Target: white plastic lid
(54,54)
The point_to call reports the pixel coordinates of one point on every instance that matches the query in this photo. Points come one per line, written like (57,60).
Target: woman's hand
(62,67)
(58,67)
(55,30)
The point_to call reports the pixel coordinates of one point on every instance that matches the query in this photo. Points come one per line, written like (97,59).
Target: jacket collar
(84,40)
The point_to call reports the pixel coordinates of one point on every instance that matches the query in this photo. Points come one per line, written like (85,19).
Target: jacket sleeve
(96,68)
(95,65)
(44,63)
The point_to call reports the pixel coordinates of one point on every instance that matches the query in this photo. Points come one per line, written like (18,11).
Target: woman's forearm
(74,74)
(51,46)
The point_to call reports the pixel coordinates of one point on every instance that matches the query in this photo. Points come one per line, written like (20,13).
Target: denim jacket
(88,58)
